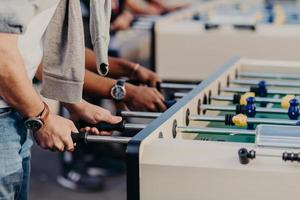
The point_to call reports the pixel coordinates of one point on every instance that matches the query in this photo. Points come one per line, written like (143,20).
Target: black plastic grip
(169,103)
(254,89)
(103,126)
(228,120)
(245,27)
(245,156)
(79,137)
(119,113)
(239,109)
(158,86)
(286,156)
(209,26)
(236,99)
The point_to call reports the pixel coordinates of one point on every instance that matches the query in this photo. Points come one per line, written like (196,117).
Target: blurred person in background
(151,7)
(121,18)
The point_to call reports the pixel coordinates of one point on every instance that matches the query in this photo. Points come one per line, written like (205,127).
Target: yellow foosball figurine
(244,97)
(240,120)
(285,101)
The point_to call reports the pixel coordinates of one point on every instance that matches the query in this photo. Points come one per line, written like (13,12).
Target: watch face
(118,92)
(33,124)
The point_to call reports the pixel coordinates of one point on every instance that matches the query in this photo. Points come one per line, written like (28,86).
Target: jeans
(15,144)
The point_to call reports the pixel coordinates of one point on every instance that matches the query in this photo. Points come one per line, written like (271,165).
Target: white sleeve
(15,16)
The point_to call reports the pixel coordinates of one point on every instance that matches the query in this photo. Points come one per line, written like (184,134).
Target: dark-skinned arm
(117,67)
(137,97)
(122,68)
(140,98)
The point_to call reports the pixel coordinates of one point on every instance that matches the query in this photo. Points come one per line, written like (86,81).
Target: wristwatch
(35,123)
(118,91)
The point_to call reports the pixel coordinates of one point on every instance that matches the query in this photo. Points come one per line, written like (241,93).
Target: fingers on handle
(67,139)
(58,145)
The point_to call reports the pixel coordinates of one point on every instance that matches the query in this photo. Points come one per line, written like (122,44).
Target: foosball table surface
(167,162)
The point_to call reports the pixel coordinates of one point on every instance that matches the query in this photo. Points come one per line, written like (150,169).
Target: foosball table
(217,30)
(234,136)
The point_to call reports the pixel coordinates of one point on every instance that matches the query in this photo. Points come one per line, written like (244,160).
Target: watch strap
(45,113)
(43,116)
(35,123)
(120,82)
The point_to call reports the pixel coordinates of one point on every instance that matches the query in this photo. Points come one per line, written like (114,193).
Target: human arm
(15,87)
(18,92)
(136,98)
(85,111)
(143,8)
(122,22)
(167,8)
(123,68)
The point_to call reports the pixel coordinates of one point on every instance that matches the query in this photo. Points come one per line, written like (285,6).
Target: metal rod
(184,129)
(179,95)
(86,137)
(249,120)
(269,75)
(222,98)
(140,114)
(269,155)
(177,86)
(141,27)
(268,83)
(257,99)
(111,139)
(135,126)
(233,108)
(152,115)
(217,108)
(244,90)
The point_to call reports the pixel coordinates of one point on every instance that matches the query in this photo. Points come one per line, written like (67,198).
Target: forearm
(157,3)
(99,87)
(94,85)
(117,67)
(121,67)
(136,8)
(15,86)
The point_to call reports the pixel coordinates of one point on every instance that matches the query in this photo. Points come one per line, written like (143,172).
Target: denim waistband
(4,110)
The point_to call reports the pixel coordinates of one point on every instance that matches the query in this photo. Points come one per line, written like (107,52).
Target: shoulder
(15,15)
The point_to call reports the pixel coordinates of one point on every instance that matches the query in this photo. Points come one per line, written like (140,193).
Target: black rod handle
(245,156)
(209,26)
(79,137)
(245,27)
(84,138)
(104,126)
(169,103)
